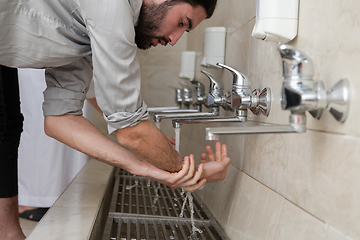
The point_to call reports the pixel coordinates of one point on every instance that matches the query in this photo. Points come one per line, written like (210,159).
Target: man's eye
(181,24)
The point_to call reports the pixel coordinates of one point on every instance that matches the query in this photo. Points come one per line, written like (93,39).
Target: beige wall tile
(295,224)
(323,177)
(160,68)
(255,211)
(334,234)
(160,83)
(265,157)
(219,197)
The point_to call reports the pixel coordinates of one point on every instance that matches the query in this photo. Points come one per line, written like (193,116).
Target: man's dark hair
(208,5)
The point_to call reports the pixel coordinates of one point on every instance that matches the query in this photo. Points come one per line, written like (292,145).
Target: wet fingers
(203,158)
(210,154)
(196,186)
(196,177)
(190,172)
(218,151)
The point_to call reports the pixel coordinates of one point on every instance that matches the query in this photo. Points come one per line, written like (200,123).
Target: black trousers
(11,123)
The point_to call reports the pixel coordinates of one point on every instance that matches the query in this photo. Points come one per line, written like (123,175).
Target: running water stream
(188,196)
(177,139)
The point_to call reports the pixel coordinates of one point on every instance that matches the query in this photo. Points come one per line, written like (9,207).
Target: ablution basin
(108,203)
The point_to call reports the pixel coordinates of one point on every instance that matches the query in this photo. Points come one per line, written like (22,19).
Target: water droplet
(130,187)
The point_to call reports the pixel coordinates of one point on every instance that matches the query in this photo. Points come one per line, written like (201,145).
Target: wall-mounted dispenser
(188,63)
(214,46)
(276,20)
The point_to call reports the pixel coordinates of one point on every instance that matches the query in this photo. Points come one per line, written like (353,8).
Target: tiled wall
(160,68)
(279,186)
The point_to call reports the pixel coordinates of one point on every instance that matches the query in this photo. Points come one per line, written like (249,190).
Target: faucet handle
(262,101)
(198,88)
(186,89)
(178,95)
(215,84)
(239,79)
(295,63)
(187,95)
(199,96)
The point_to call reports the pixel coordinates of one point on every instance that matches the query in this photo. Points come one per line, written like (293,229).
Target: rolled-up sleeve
(66,87)
(116,69)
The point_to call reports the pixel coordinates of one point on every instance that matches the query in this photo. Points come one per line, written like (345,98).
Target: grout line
(281,212)
(284,197)
(309,129)
(241,26)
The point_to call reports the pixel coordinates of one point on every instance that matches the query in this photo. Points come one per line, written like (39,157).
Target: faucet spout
(297,125)
(170,111)
(177,122)
(241,116)
(159,116)
(160,109)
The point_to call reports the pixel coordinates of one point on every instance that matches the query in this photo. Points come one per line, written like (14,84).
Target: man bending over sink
(79,40)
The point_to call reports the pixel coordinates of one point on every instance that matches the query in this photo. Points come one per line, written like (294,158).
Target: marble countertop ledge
(74,213)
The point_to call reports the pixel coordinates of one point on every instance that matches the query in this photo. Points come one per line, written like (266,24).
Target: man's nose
(175,36)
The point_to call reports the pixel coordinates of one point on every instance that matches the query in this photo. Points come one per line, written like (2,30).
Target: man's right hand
(188,177)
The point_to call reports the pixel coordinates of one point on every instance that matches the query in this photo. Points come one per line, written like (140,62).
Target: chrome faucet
(243,97)
(240,100)
(178,100)
(199,97)
(183,99)
(300,93)
(186,100)
(215,91)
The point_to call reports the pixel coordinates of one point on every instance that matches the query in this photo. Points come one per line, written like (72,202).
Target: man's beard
(150,19)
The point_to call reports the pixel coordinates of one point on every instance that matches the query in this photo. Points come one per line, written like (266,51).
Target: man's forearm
(149,143)
(78,133)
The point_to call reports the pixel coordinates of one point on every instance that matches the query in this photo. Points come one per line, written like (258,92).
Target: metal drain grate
(133,213)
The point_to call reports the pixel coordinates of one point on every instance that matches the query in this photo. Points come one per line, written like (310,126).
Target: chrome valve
(301,93)
(243,97)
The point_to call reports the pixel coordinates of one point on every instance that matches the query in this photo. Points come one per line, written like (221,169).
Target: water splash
(156,198)
(177,139)
(132,186)
(191,202)
(190,198)
(182,193)
(184,203)
(157,124)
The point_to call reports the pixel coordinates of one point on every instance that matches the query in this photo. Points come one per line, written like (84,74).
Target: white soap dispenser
(188,64)
(276,20)
(214,46)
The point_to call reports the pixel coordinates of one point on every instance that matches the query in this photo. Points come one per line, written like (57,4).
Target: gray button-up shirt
(77,40)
